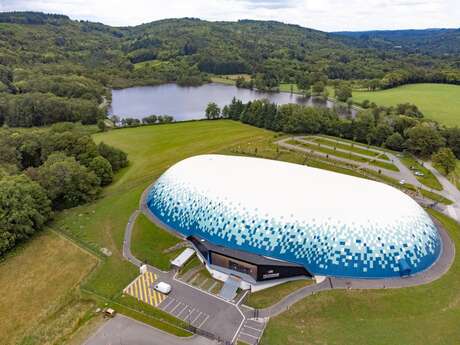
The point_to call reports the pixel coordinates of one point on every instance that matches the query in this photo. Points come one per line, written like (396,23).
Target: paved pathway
(124,330)
(449,191)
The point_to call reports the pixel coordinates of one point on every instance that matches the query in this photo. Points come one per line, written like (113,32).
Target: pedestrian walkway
(228,291)
(142,289)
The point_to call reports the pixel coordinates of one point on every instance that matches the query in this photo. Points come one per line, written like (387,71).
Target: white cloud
(328,15)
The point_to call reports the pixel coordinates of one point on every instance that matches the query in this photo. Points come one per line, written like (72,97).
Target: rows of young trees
(46,170)
(398,128)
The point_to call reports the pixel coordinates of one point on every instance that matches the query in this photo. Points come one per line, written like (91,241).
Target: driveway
(123,330)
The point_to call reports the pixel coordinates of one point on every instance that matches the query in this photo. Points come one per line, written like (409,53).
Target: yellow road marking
(142,289)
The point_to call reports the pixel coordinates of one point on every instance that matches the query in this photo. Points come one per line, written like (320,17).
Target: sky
(326,15)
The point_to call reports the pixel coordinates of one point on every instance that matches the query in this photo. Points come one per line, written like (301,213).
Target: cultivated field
(37,284)
(440,102)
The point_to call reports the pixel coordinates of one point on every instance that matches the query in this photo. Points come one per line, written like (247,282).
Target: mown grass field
(149,243)
(36,281)
(439,102)
(428,314)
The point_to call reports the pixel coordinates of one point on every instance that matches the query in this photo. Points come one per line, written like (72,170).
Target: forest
(56,69)
(48,170)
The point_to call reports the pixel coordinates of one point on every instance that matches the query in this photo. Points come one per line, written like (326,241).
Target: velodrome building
(268,221)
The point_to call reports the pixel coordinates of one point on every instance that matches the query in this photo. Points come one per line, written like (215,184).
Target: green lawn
(289,88)
(428,179)
(191,264)
(428,314)
(440,102)
(149,242)
(270,296)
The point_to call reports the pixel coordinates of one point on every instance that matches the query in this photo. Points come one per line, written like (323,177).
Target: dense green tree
(318,87)
(24,209)
(402,122)
(452,136)
(445,160)
(212,111)
(363,126)
(424,140)
(150,119)
(381,133)
(303,83)
(116,157)
(395,142)
(343,92)
(103,170)
(165,119)
(66,182)
(101,125)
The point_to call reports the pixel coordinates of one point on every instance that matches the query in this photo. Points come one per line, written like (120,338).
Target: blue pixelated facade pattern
(323,246)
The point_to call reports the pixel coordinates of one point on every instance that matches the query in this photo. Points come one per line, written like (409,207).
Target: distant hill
(186,50)
(433,42)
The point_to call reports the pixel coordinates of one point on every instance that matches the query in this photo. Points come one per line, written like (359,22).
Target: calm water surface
(189,103)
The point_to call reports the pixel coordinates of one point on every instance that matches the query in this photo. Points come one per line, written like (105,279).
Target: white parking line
(205,319)
(169,303)
(255,329)
(249,335)
(189,314)
(196,317)
(172,310)
(185,307)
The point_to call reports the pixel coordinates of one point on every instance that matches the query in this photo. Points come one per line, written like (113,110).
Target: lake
(189,103)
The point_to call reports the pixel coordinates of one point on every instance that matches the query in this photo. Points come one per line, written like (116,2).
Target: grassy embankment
(149,244)
(440,102)
(427,314)
(268,297)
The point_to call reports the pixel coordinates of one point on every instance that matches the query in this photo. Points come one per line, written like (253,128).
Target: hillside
(434,42)
(56,69)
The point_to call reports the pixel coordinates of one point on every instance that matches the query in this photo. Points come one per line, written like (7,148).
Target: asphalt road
(122,330)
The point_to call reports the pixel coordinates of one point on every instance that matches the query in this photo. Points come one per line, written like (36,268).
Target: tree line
(42,171)
(398,128)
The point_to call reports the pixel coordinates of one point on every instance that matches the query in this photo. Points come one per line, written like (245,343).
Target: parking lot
(184,311)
